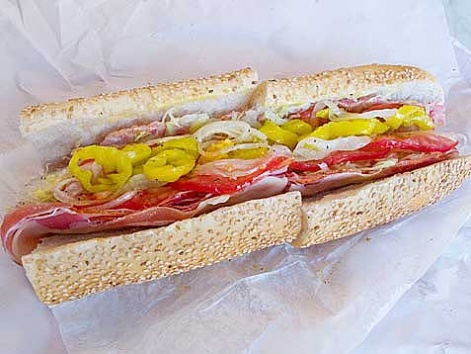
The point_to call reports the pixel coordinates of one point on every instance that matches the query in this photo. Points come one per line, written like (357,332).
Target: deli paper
(324,299)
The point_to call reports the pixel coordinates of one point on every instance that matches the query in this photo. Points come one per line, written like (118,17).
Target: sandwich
(155,181)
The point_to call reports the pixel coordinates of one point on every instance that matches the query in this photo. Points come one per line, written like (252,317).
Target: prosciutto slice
(135,133)
(312,183)
(23,229)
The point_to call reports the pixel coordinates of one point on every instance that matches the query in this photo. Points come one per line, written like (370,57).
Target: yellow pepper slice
(169,165)
(138,153)
(213,151)
(116,164)
(247,154)
(220,145)
(339,129)
(409,115)
(187,144)
(279,135)
(137,170)
(323,113)
(298,127)
(405,116)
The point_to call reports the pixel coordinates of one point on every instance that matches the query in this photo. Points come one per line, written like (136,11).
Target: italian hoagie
(159,180)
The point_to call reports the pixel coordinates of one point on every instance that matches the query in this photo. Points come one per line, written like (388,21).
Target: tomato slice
(218,184)
(380,148)
(416,142)
(339,157)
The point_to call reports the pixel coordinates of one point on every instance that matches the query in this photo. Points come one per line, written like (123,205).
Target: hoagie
(169,178)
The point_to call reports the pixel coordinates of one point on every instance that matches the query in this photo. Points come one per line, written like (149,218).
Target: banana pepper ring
(411,115)
(279,135)
(116,165)
(169,165)
(138,153)
(187,144)
(298,127)
(334,130)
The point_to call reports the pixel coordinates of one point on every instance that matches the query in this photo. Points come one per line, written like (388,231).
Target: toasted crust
(56,128)
(135,102)
(74,270)
(356,209)
(394,82)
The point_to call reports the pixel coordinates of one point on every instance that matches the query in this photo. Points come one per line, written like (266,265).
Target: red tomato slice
(416,142)
(338,157)
(380,148)
(218,185)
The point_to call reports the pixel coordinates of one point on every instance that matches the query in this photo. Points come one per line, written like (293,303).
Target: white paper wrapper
(324,299)
(434,315)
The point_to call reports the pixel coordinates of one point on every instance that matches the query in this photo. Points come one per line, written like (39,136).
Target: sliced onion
(275,118)
(232,168)
(380,113)
(243,147)
(60,193)
(231,129)
(234,115)
(119,200)
(279,150)
(140,181)
(189,120)
(315,148)
(251,135)
(174,124)
(252,117)
(94,168)
(318,107)
(155,142)
(286,110)
(69,191)
(334,109)
(168,116)
(238,132)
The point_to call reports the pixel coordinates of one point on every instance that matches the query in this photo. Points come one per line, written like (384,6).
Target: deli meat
(135,133)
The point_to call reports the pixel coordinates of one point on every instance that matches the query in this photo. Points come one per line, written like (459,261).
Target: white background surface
(434,316)
(76,48)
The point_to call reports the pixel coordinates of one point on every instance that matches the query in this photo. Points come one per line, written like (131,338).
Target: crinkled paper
(324,299)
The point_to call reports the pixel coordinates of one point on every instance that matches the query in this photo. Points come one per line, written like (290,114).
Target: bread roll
(69,267)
